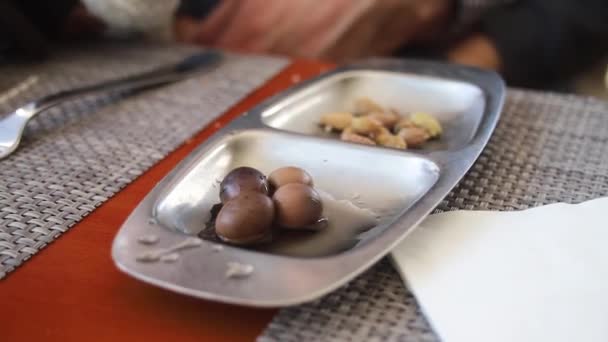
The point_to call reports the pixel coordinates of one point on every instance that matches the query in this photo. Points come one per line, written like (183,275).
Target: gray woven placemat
(76,156)
(547,148)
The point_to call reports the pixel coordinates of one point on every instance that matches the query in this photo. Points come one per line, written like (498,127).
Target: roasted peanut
(368,126)
(414,136)
(403,123)
(365,105)
(427,122)
(390,140)
(337,121)
(350,136)
(388,119)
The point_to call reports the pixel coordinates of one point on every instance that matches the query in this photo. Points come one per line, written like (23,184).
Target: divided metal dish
(401,186)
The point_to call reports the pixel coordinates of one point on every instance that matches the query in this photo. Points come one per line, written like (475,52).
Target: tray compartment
(458,105)
(383,181)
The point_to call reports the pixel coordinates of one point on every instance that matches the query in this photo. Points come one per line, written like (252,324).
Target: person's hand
(335,29)
(476,50)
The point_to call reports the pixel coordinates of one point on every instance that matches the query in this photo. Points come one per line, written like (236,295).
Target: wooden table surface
(71,290)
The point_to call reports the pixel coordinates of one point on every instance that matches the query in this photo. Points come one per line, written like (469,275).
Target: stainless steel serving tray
(403,186)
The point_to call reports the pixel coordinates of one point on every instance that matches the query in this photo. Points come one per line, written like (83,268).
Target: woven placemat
(547,148)
(76,156)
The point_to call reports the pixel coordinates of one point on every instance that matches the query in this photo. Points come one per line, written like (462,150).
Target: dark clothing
(25,25)
(197,8)
(544,41)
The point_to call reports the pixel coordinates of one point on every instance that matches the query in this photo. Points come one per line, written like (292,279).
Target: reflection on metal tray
(401,186)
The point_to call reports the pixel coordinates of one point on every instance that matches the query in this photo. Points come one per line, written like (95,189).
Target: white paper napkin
(534,275)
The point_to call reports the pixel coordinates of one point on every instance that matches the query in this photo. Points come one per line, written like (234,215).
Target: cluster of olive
(253,204)
(371,124)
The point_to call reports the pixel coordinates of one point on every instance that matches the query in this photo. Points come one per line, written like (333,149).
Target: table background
(548,148)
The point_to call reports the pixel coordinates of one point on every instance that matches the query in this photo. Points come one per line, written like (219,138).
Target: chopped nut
(390,140)
(350,136)
(365,105)
(372,124)
(368,126)
(388,119)
(336,121)
(427,122)
(394,111)
(414,136)
(403,123)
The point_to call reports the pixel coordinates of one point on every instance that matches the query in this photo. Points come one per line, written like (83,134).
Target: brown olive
(245,219)
(289,174)
(242,179)
(297,206)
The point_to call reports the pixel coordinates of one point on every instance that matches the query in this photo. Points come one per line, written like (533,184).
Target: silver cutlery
(13,125)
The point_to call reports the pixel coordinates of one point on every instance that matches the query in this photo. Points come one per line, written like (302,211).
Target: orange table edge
(71,290)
